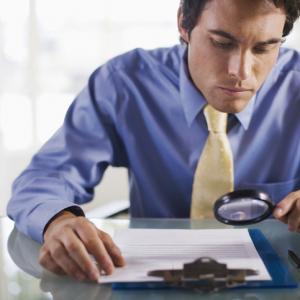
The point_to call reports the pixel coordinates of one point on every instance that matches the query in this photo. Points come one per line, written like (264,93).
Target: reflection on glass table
(23,255)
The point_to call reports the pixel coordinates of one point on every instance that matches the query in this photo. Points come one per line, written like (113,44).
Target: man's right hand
(69,243)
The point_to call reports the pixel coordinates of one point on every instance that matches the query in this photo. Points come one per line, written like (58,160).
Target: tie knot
(216,120)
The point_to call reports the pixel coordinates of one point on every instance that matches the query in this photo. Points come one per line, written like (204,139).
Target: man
(144,111)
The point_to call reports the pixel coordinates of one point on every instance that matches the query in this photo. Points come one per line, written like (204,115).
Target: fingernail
(95,275)
(121,261)
(117,250)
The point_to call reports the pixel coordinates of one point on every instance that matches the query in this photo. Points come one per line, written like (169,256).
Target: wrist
(64,214)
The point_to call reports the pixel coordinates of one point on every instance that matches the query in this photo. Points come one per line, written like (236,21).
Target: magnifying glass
(243,207)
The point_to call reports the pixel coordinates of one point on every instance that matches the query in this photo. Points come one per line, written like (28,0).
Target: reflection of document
(150,249)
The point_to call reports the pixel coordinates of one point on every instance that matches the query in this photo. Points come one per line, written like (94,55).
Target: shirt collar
(193,101)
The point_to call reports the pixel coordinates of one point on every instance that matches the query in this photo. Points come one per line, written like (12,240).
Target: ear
(182,31)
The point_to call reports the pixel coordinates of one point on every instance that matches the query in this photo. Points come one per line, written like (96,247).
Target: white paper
(151,249)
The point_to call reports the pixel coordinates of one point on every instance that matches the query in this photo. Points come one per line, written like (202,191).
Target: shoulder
(132,73)
(138,60)
(138,67)
(288,61)
(281,86)
(285,76)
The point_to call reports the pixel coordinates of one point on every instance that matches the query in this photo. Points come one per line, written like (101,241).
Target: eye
(226,45)
(265,49)
(260,50)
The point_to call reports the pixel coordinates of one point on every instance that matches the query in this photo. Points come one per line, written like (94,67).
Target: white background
(48,48)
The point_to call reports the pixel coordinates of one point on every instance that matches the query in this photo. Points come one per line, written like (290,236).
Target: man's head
(233,45)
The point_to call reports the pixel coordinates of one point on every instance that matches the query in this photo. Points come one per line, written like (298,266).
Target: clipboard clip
(204,274)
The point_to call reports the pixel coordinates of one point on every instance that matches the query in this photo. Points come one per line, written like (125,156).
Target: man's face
(232,48)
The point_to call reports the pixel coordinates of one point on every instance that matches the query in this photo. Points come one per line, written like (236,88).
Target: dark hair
(191,10)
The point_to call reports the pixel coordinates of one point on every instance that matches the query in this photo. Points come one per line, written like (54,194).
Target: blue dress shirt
(141,111)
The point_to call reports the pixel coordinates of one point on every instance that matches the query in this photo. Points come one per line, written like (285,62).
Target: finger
(284,219)
(64,261)
(48,263)
(286,205)
(112,249)
(79,254)
(294,217)
(95,247)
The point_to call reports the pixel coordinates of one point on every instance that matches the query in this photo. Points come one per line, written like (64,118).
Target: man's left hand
(288,211)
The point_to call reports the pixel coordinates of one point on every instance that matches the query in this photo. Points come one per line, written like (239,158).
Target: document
(151,249)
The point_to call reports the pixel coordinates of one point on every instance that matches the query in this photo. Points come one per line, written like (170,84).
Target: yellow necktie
(214,173)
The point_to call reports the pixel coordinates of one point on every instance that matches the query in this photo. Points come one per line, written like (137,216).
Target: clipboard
(281,277)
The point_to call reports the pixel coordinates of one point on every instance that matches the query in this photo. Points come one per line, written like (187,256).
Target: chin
(228,103)
(230,106)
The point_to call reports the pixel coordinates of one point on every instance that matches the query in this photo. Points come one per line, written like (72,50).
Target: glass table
(21,277)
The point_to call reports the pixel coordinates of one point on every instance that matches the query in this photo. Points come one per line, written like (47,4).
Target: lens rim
(245,193)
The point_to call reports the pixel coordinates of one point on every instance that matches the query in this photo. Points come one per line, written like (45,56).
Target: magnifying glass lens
(243,209)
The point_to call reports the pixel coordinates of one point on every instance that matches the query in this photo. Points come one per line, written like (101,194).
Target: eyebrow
(234,39)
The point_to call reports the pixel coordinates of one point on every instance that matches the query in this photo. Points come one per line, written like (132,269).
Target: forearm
(36,200)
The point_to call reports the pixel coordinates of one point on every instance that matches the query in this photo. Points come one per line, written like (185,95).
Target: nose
(240,65)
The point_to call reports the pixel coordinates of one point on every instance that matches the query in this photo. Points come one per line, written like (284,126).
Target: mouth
(234,91)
